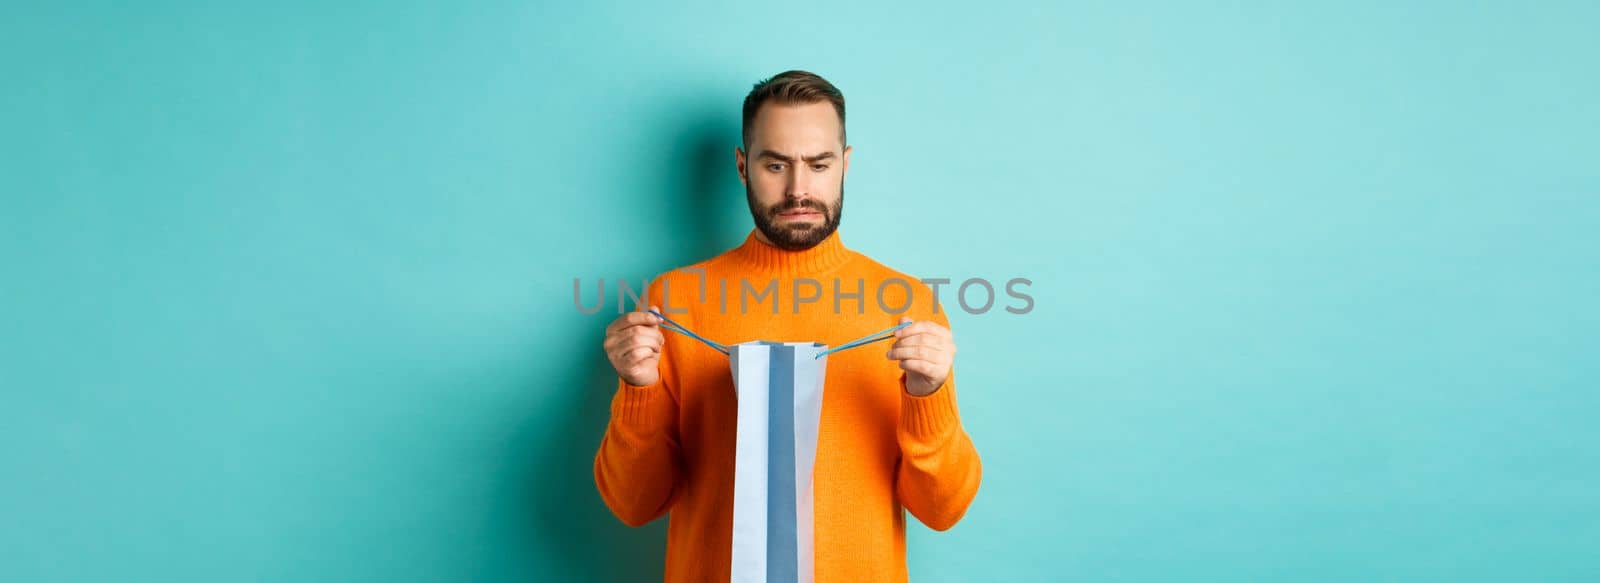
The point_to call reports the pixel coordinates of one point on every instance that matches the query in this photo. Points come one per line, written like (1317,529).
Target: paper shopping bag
(779,386)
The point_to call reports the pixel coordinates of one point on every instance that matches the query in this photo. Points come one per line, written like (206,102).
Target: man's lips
(799,214)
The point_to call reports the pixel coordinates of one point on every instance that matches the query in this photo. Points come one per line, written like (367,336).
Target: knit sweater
(669,447)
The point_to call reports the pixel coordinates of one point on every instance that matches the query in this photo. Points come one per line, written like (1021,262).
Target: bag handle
(885,334)
(669,325)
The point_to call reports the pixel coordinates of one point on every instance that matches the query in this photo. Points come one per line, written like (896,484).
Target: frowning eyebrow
(782,158)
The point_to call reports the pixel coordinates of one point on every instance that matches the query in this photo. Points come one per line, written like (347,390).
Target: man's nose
(799,182)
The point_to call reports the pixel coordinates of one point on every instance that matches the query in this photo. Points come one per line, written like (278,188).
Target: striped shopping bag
(779,387)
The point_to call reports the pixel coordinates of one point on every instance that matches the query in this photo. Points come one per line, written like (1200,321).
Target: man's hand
(633,343)
(925,351)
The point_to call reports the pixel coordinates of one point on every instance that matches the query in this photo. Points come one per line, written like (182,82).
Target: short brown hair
(792,88)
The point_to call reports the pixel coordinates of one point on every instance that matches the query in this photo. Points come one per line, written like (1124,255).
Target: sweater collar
(821,258)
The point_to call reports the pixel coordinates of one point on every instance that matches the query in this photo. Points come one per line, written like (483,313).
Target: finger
(631,334)
(640,343)
(926,327)
(638,353)
(921,340)
(640,371)
(632,319)
(640,332)
(654,320)
(650,332)
(629,320)
(921,367)
(641,367)
(913,352)
(923,327)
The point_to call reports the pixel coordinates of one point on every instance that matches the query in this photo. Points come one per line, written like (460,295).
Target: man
(889,437)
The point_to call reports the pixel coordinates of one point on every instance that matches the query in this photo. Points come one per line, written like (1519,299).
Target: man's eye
(775,167)
(819,167)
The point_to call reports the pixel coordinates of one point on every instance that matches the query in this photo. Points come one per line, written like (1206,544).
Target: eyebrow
(783,158)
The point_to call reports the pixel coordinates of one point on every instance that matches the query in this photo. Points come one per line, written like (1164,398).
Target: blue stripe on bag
(781,537)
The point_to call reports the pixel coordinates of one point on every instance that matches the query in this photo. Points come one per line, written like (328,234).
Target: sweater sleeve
(939,467)
(639,467)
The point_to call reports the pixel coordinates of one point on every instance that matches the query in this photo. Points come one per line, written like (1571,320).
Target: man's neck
(759,255)
(762,237)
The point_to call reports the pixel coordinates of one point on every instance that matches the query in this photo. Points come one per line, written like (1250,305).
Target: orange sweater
(669,447)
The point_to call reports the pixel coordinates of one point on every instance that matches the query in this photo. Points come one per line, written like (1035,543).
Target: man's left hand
(925,351)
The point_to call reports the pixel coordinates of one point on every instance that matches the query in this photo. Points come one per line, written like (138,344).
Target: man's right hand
(633,343)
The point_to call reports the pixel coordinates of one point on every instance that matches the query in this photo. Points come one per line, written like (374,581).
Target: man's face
(794,173)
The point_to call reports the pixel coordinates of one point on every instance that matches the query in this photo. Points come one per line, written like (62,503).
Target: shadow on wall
(695,216)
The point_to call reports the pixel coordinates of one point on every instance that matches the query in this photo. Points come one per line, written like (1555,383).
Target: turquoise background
(286,288)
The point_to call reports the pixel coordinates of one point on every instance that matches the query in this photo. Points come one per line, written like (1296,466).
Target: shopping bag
(779,387)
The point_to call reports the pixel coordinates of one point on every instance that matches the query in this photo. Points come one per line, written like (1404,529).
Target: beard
(795,237)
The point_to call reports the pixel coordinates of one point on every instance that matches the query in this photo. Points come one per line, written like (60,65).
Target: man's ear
(738,162)
(846,167)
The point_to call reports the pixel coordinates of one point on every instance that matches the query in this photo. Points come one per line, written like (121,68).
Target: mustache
(796,205)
